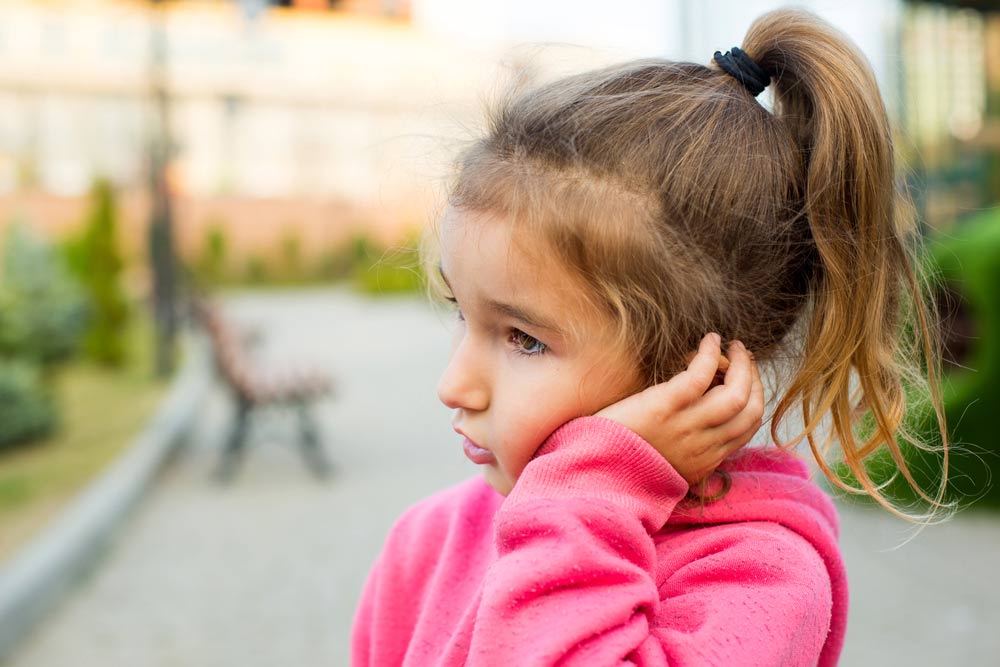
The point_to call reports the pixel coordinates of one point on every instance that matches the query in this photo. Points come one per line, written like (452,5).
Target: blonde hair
(684,206)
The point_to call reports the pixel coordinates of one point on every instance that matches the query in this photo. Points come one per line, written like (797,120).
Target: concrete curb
(35,579)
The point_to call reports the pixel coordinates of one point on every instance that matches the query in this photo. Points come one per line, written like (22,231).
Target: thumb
(704,365)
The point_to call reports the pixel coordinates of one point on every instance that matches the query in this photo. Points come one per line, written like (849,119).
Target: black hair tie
(742,67)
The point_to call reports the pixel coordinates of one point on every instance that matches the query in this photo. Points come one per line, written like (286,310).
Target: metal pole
(161,242)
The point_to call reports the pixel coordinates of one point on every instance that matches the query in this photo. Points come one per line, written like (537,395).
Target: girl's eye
(454,302)
(524,344)
(527,345)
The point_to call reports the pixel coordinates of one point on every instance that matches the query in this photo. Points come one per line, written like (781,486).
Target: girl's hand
(695,428)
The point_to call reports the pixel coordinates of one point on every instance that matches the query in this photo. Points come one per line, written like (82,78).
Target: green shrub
(97,260)
(27,412)
(967,259)
(257,272)
(355,253)
(210,267)
(342,261)
(334,265)
(42,308)
(292,268)
(392,270)
(371,267)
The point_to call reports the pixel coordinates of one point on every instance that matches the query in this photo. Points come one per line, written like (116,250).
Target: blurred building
(944,115)
(328,115)
(280,117)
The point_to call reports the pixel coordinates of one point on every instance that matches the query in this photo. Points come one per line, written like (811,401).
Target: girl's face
(516,372)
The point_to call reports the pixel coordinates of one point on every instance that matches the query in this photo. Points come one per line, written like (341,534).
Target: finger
(735,432)
(740,378)
(723,360)
(689,385)
(738,443)
(758,388)
(720,371)
(745,425)
(726,401)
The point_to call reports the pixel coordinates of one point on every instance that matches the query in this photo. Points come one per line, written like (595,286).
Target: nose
(464,382)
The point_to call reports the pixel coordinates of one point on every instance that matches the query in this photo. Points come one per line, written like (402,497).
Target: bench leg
(312,449)
(232,453)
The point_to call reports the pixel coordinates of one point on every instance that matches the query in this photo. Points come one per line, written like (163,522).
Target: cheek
(537,412)
(608,383)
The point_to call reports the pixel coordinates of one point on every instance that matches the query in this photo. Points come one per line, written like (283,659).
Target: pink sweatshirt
(596,559)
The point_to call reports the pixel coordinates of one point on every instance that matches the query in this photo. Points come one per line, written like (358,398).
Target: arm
(574,582)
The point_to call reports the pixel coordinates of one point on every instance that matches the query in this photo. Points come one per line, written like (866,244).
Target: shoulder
(447,531)
(469,496)
(764,550)
(459,512)
(756,584)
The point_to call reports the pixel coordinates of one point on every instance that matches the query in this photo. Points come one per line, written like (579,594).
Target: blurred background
(217,368)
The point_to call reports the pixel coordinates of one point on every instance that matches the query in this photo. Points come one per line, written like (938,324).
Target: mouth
(475,453)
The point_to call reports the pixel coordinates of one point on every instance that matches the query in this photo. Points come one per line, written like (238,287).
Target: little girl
(601,227)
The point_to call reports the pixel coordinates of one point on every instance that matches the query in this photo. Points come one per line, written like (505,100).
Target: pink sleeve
(574,582)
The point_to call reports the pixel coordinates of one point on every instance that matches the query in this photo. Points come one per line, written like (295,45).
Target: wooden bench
(297,389)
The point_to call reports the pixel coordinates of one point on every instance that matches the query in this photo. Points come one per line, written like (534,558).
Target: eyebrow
(516,312)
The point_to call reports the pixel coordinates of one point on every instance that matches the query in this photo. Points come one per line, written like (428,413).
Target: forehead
(484,258)
(487,241)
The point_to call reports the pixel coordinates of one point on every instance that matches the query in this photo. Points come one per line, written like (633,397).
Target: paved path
(267,571)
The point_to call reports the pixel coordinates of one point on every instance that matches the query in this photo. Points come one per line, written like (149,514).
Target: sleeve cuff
(597,458)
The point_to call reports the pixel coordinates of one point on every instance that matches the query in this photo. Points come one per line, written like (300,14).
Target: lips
(475,453)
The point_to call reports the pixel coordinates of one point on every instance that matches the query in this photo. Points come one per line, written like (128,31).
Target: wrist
(598,458)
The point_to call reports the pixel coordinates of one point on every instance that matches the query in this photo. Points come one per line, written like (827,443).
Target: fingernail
(717,338)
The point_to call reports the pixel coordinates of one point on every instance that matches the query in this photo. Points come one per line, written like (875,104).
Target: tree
(97,260)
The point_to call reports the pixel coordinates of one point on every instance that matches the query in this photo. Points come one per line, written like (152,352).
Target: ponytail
(868,310)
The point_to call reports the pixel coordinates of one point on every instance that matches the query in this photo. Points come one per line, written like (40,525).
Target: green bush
(42,309)
(967,258)
(341,261)
(292,268)
(210,267)
(367,264)
(27,412)
(392,270)
(257,272)
(338,262)
(97,260)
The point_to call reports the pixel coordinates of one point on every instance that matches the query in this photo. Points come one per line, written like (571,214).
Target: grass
(101,410)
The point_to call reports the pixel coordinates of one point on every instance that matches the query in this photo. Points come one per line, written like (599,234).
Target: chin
(499,484)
